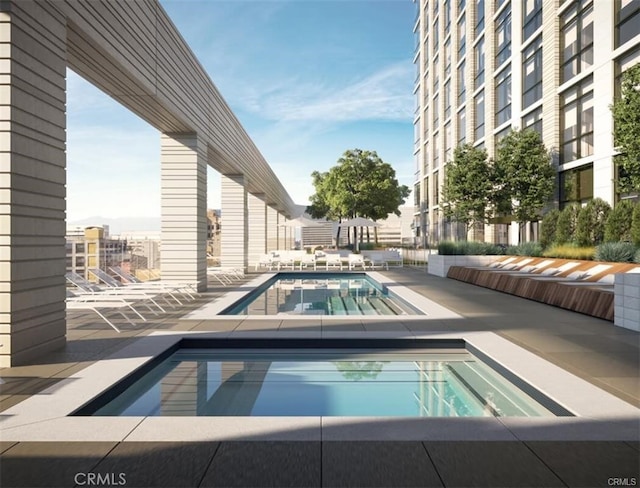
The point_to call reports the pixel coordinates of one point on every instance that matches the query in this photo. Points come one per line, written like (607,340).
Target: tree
(548,228)
(626,130)
(524,175)
(359,185)
(635,225)
(618,226)
(468,186)
(591,222)
(567,222)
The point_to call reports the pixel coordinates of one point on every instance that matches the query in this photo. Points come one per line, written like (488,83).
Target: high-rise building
(486,66)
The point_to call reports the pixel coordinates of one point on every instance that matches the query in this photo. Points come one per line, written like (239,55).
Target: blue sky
(308,79)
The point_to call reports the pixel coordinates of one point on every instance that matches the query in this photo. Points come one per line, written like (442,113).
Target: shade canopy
(300,222)
(358,222)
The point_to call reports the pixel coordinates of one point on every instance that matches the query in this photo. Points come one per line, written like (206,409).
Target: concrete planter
(627,301)
(439,265)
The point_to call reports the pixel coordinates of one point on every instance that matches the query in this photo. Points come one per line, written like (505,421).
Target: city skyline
(301,91)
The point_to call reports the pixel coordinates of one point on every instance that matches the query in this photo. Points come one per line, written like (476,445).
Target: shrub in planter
(591,222)
(569,252)
(637,258)
(566,225)
(616,252)
(548,228)
(467,248)
(532,249)
(447,248)
(618,226)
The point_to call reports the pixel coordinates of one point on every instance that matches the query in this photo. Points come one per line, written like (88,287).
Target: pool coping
(431,310)
(44,416)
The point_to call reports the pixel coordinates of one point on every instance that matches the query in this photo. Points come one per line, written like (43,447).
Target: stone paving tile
(489,464)
(588,464)
(634,444)
(50,464)
(151,464)
(273,464)
(599,363)
(377,464)
(5,445)
(337,325)
(257,324)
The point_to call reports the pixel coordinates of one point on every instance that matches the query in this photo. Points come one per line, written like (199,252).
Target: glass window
(627,20)
(479,51)
(448,142)
(576,185)
(436,34)
(436,150)
(436,112)
(462,36)
(577,40)
(479,17)
(436,73)
(447,17)
(501,134)
(436,188)
(623,64)
(461,5)
(503,96)
(479,104)
(532,73)
(532,17)
(462,126)
(447,99)
(447,58)
(503,36)
(416,135)
(462,88)
(577,122)
(533,120)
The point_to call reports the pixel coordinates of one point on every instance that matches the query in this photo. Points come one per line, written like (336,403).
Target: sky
(307,79)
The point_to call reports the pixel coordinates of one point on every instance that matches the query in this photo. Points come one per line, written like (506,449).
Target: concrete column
(257,245)
(273,229)
(234,227)
(33,61)
(184,209)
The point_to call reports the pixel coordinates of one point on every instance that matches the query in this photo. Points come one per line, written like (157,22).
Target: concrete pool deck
(335,453)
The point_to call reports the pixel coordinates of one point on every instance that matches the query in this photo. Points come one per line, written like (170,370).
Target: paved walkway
(593,349)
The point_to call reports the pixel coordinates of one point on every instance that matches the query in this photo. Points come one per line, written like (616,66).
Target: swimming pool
(321,294)
(435,382)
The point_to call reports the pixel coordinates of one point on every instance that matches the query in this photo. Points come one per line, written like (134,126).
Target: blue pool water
(321,294)
(205,382)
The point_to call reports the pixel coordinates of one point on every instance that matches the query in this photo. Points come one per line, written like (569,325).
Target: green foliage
(570,252)
(637,258)
(468,186)
(616,252)
(467,248)
(566,224)
(635,225)
(524,175)
(361,184)
(533,249)
(591,222)
(618,226)
(548,228)
(626,130)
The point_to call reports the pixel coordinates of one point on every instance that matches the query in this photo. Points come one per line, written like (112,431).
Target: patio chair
(356,260)
(307,261)
(333,261)
(286,262)
(186,288)
(378,261)
(114,284)
(98,304)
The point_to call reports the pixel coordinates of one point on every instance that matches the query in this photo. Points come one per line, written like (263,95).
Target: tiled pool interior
(321,294)
(449,382)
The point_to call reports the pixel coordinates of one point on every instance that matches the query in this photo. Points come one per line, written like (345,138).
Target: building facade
(486,66)
(92,247)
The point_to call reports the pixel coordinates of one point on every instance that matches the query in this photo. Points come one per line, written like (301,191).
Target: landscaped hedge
(616,252)
(468,248)
(569,252)
(532,249)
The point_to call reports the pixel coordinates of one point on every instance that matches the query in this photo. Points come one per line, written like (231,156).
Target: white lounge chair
(355,261)
(333,261)
(99,304)
(308,261)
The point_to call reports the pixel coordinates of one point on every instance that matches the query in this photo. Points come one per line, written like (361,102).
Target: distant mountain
(121,225)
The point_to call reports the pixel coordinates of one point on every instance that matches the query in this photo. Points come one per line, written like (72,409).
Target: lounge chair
(356,260)
(307,261)
(114,284)
(286,262)
(130,279)
(333,261)
(98,304)
(86,287)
